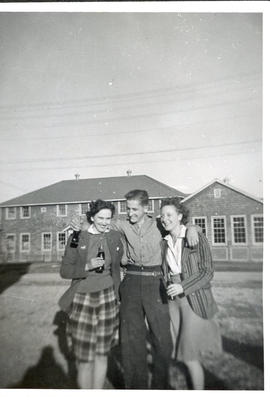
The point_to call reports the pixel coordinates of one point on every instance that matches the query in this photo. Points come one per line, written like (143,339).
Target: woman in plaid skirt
(93,263)
(188,271)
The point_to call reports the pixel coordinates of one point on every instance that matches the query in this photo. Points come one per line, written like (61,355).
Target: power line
(15,116)
(137,116)
(141,131)
(88,157)
(134,162)
(11,185)
(131,95)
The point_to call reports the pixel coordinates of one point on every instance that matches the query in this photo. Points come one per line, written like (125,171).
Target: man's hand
(94,264)
(75,224)
(175,289)
(192,235)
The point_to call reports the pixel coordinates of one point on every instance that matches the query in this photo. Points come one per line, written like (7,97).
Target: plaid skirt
(93,324)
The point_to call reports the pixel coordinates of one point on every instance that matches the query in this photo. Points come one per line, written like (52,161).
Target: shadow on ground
(250,354)
(10,274)
(46,374)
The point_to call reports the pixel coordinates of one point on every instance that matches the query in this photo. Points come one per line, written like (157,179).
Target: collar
(146,220)
(182,233)
(93,230)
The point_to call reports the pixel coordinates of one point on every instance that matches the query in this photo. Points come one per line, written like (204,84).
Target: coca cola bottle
(172,298)
(100,254)
(75,239)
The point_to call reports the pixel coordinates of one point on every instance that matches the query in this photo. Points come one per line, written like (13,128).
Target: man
(143,296)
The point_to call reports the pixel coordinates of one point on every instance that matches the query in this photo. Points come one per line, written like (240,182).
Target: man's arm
(118,224)
(70,267)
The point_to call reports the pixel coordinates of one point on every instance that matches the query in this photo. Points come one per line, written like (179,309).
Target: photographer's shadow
(60,320)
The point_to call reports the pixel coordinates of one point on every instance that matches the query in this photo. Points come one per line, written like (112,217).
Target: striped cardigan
(197,272)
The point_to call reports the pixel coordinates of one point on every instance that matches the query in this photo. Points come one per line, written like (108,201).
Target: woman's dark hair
(98,205)
(140,195)
(180,208)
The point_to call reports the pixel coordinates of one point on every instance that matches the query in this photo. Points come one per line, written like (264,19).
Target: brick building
(35,226)
(231,219)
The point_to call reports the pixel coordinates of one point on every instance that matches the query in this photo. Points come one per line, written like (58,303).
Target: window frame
(232,230)
(7,213)
(42,242)
(153,206)
(119,207)
(58,212)
(29,241)
(217,190)
(201,217)
(225,230)
(13,235)
(21,212)
(57,242)
(258,244)
(83,213)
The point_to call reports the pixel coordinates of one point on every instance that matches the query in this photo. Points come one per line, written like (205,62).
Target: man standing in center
(143,295)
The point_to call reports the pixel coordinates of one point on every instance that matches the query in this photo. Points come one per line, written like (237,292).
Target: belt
(138,273)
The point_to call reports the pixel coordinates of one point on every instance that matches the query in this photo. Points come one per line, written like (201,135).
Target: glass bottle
(172,298)
(100,254)
(75,239)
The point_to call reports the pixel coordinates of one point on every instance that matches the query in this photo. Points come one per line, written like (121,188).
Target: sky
(176,96)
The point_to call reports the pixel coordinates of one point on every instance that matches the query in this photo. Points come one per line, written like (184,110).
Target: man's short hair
(140,195)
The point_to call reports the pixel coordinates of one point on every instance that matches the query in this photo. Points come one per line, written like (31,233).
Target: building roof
(85,190)
(188,197)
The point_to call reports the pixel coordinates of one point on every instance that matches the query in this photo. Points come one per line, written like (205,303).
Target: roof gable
(217,181)
(85,190)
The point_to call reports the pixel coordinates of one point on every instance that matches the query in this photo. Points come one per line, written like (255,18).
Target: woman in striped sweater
(187,272)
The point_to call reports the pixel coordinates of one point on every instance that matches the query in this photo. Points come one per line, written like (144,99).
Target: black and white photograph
(131,198)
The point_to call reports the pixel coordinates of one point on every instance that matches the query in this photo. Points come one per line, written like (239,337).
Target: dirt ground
(34,351)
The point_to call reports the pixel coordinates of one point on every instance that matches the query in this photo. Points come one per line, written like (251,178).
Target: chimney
(77,176)
(129,172)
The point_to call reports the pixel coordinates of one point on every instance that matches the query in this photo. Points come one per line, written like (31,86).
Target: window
(84,208)
(150,207)
(46,241)
(219,230)
(217,193)
(257,226)
(11,242)
(61,210)
(25,242)
(11,213)
(61,241)
(25,212)
(200,222)
(239,234)
(43,209)
(122,207)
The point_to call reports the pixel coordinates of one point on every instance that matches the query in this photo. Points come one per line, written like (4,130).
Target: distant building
(35,226)
(231,219)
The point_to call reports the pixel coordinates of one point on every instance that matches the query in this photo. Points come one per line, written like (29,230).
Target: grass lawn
(240,316)
(34,351)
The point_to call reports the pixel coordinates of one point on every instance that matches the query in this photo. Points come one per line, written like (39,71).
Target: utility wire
(133,162)
(131,95)
(78,112)
(101,156)
(140,131)
(136,116)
